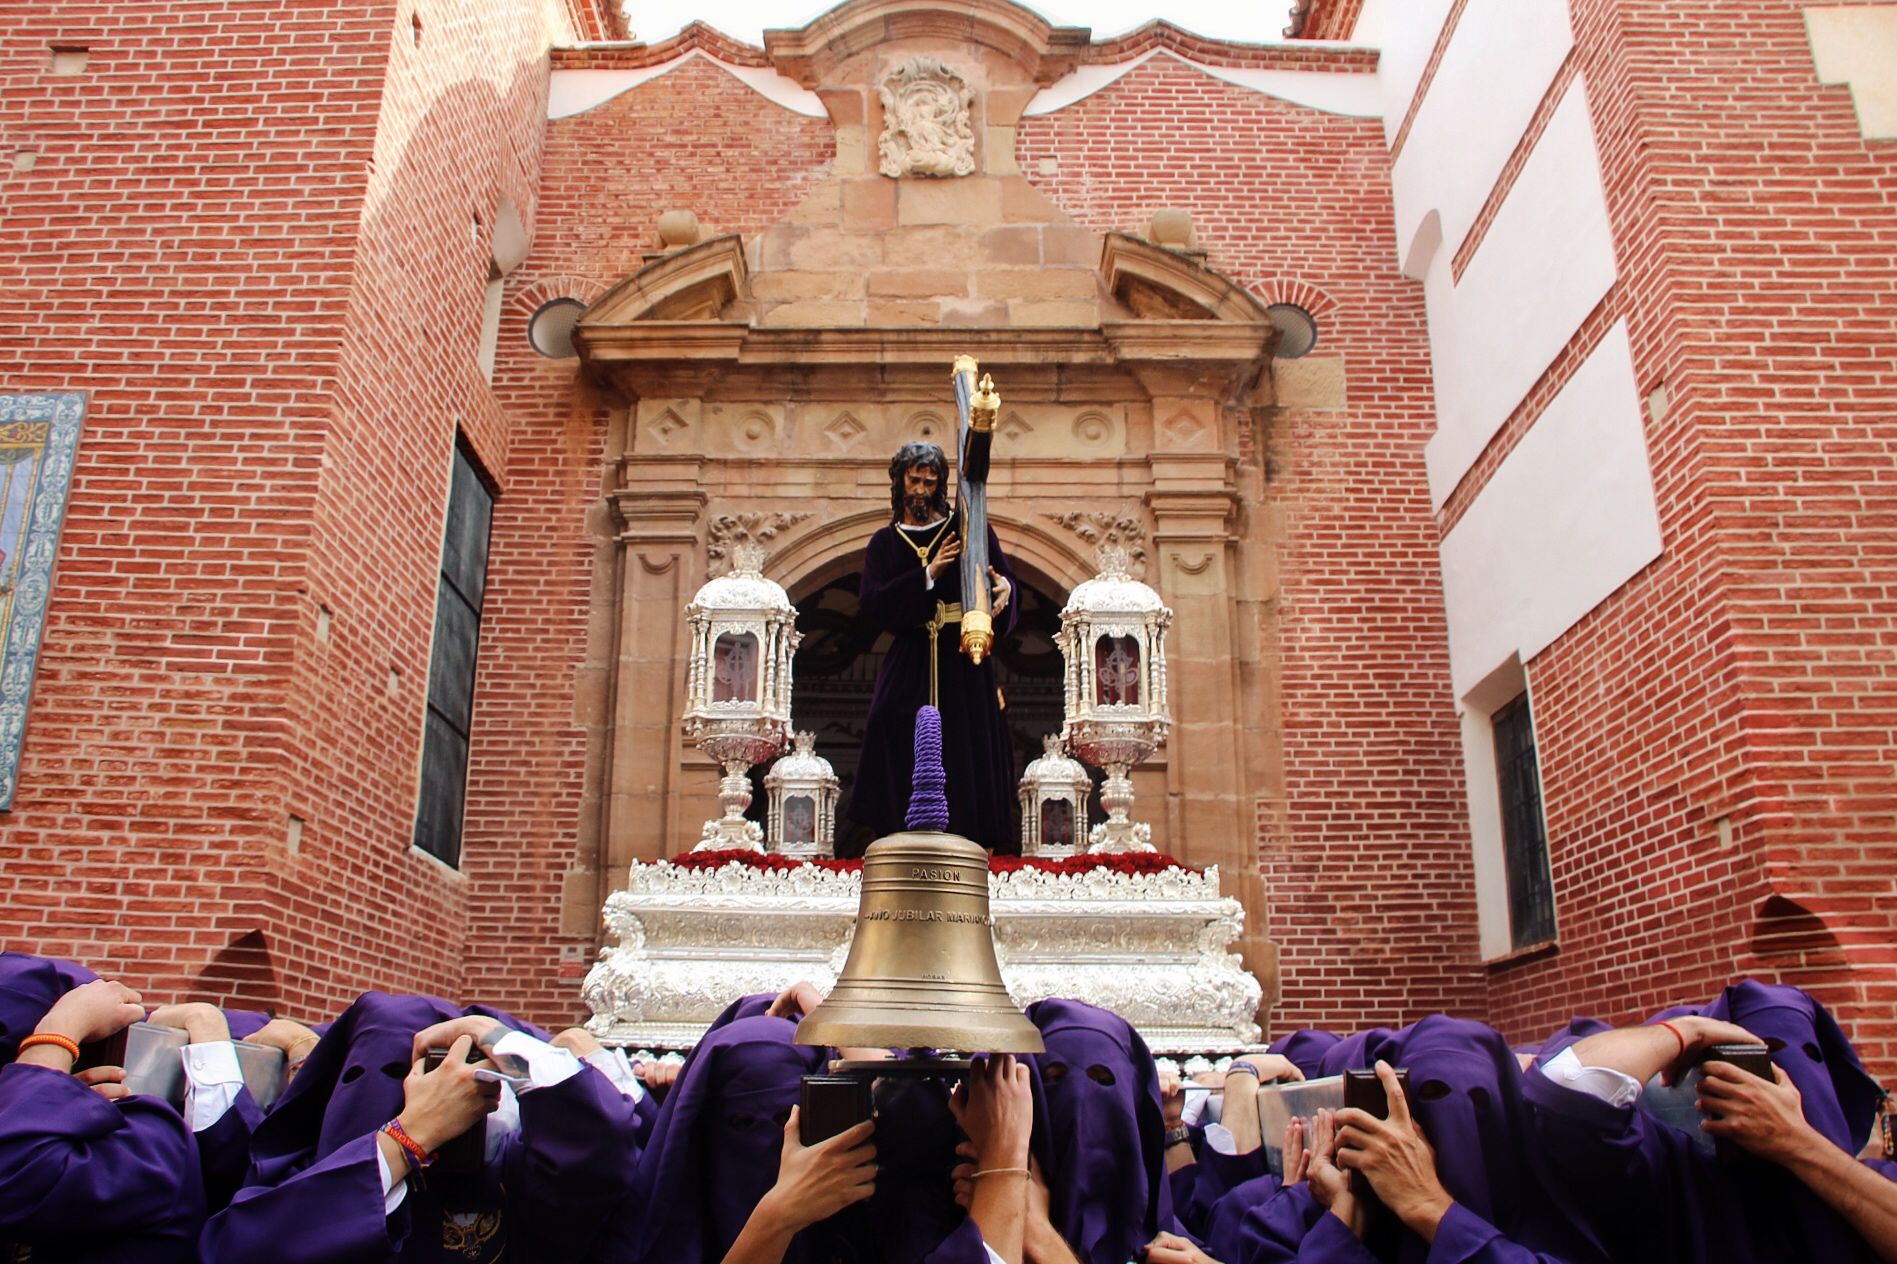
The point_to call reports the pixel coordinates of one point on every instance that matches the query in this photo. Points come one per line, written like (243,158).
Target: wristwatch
(1181,1135)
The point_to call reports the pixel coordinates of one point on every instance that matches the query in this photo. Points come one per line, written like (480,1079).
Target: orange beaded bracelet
(67,1043)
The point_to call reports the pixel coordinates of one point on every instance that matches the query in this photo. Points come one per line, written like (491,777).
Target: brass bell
(922,973)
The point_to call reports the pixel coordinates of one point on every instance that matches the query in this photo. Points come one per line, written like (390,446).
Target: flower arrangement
(1127,862)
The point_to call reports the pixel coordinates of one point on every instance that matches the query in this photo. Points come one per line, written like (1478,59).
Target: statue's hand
(1004,591)
(951,549)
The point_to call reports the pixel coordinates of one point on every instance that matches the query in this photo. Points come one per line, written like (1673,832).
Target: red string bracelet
(1677,1036)
(399,1135)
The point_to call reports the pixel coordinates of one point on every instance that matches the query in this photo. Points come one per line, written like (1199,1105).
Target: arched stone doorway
(836,667)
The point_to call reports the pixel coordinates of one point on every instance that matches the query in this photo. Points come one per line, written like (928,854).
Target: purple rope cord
(928,805)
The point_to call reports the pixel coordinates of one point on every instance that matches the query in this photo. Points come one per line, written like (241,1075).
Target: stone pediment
(812,54)
(696,283)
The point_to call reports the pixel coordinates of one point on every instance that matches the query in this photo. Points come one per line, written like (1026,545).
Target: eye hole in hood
(1100,1074)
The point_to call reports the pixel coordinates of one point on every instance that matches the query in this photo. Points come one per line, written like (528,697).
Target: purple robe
(28,987)
(977,752)
(1104,1149)
(86,1179)
(1648,1193)
(1305,1049)
(315,1189)
(715,1150)
(1466,1091)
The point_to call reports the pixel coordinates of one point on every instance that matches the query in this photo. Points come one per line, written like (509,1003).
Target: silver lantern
(1113,638)
(743,632)
(1054,793)
(802,791)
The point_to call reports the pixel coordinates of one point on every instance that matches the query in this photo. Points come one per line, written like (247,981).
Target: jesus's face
(919,485)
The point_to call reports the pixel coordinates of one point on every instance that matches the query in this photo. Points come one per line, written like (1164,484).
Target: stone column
(1195,506)
(660,500)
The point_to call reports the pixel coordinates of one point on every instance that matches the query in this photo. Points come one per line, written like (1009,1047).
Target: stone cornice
(811,54)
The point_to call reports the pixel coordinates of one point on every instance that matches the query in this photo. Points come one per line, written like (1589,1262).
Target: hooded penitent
(1105,1144)
(83,1178)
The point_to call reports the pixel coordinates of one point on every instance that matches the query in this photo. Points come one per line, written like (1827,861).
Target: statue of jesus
(912,579)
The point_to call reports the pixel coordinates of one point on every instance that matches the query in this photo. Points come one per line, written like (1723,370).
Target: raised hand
(440,1105)
(1273,1068)
(1766,1119)
(1330,1184)
(796,1000)
(92,1011)
(202,1023)
(480,1030)
(950,550)
(816,1182)
(995,1109)
(577,1041)
(1003,592)
(1296,1158)
(1170,1248)
(1396,1158)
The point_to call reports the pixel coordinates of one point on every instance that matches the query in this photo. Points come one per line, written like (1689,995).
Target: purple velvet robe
(83,1178)
(1104,1148)
(86,1179)
(1648,1193)
(715,1150)
(315,1188)
(1466,1091)
(977,752)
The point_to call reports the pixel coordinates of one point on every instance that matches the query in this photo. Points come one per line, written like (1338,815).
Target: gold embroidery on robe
(474,1236)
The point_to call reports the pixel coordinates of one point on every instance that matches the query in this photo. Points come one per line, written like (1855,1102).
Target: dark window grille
(1524,835)
(450,719)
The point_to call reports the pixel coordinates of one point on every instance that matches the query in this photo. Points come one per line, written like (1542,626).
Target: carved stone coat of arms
(927,128)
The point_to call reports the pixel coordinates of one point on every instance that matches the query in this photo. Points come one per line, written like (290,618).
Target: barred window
(463,584)
(1524,834)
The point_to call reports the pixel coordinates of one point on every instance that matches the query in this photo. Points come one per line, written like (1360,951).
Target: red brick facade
(274,294)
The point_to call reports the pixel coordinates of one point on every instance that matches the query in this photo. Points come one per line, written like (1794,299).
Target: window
(450,716)
(1524,835)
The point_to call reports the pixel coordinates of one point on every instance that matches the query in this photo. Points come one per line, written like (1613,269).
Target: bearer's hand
(577,1041)
(440,1105)
(1170,1248)
(203,1024)
(796,1000)
(1004,592)
(91,1011)
(107,1081)
(1396,1158)
(816,1182)
(478,1028)
(1330,1184)
(1767,1119)
(951,549)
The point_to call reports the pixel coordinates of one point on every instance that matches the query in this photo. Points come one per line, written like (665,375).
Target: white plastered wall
(1496,69)
(1546,260)
(1568,518)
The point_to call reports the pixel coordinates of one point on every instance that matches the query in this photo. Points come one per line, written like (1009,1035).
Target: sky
(746,19)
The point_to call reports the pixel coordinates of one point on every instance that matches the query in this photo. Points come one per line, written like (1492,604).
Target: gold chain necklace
(922,551)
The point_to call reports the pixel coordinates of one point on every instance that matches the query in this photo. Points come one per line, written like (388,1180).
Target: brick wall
(1716,738)
(1364,849)
(275,303)
(695,138)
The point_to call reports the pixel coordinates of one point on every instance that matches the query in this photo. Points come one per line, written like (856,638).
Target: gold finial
(985,406)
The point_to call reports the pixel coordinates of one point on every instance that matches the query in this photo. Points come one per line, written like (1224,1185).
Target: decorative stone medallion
(927,127)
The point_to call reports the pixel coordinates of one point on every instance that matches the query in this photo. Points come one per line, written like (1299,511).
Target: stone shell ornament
(927,121)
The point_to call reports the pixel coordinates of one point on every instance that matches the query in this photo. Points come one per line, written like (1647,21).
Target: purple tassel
(928,805)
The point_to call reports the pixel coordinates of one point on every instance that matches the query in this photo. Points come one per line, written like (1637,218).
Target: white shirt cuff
(546,1065)
(993,1258)
(392,1192)
(1616,1088)
(617,1067)
(212,1079)
(1194,1108)
(1220,1138)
